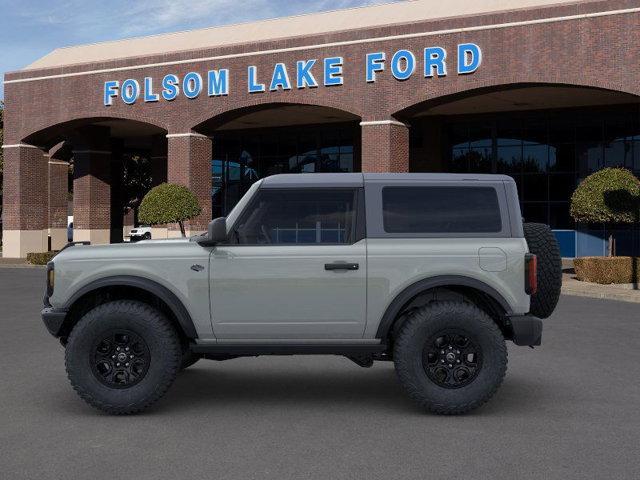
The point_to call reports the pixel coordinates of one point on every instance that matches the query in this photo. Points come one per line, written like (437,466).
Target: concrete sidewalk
(626,292)
(17,263)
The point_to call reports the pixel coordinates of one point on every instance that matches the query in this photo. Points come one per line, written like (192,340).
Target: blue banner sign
(309,73)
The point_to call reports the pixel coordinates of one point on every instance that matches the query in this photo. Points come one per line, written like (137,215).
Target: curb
(20,265)
(620,297)
(571,286)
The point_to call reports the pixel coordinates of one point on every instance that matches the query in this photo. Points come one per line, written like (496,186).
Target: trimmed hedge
(607,270)
(168,203)
(40,258)
(610,195)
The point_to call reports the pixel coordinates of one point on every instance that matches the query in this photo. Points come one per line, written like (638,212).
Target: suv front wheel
(122,356)
(450,357)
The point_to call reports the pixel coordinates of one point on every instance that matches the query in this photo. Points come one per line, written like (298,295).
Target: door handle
(341,266)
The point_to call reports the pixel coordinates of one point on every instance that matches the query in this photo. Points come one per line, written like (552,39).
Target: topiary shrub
(169,203)
(41,258)
(606,270)
(610,195)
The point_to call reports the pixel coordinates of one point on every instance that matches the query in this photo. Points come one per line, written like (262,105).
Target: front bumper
(53,319)
(527,330)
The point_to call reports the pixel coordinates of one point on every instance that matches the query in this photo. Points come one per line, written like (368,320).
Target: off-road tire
(428,321)
(148,324)
(542,242)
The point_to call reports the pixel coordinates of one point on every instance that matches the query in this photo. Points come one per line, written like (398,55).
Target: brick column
(158,160)
(58,191)
(189,164)
(92,184)
(385,146)
(92,196)
(25,199)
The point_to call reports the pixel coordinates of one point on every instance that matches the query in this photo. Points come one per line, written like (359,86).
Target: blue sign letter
(397,69)
(375,63)
(170,86)
(280,78)
(130,91)
(253,86)
(149,96)
(469,57)
(110,91)
(304,77)
(333,71)
(218,82)
(192,84)
(434,57)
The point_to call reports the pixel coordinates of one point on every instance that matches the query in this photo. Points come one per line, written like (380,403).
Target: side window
(298,217)
(441,209)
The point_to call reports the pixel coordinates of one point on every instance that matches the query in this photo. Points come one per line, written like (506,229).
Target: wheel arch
(131,287)
(475,290)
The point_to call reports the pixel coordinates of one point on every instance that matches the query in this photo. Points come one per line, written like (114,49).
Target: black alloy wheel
(120,359)
(452,359)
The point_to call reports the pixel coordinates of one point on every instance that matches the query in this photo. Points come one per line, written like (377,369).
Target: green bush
(169,203)
(607,270)
(40,258)
(607,196)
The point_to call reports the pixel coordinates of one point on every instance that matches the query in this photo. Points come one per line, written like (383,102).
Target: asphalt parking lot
(568,409)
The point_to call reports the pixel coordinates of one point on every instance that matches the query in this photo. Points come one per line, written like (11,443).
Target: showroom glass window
(546,152)
(295,216)
(243,156)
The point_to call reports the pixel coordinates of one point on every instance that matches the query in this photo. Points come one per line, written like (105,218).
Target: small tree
(608,196)
(169,203)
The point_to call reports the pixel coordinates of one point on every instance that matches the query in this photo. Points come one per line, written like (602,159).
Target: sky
(29,29)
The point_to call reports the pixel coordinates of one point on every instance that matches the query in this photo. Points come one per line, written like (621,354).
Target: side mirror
(217,230)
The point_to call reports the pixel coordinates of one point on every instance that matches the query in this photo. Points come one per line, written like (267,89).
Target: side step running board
(348,349)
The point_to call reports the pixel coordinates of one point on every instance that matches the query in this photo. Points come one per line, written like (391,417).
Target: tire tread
(164,329)
(406,337)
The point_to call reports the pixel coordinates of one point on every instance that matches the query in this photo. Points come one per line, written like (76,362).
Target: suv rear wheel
(450,357)
(122,356)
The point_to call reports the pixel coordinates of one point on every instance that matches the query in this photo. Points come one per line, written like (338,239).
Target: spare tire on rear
(542,243)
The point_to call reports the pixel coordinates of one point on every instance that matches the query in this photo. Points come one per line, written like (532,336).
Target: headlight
(51,278)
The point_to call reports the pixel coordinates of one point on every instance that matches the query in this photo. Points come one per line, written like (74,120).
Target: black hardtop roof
(359,179)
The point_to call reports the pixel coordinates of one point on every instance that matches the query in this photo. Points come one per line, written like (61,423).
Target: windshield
(233,215)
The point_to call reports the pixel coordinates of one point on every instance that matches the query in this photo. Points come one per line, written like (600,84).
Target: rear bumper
(53,319)
(527,330)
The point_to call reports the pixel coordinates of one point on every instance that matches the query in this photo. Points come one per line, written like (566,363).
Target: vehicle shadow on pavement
(375,390)
(215,386)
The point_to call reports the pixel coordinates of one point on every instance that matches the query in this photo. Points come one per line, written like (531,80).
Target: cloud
(95,20)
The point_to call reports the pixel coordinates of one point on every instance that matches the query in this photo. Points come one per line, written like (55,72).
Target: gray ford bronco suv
(431,271)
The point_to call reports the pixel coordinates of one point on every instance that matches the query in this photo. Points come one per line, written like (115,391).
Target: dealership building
(545,91)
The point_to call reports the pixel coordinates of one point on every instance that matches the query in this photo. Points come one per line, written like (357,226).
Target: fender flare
(420,286)
(150,286)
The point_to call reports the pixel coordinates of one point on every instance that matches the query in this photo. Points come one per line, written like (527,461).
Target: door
(294,268)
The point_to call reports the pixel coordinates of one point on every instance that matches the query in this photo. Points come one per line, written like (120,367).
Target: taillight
(530,274)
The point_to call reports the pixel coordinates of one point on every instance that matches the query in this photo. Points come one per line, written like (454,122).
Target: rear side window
(441,209)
